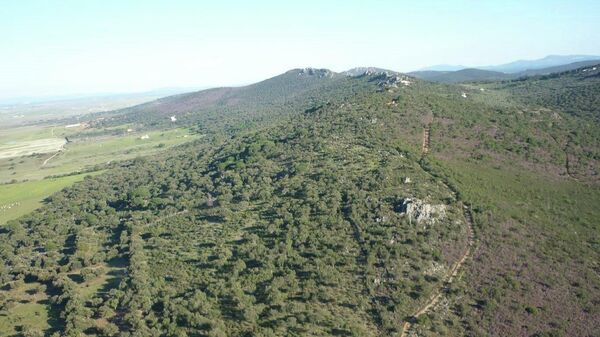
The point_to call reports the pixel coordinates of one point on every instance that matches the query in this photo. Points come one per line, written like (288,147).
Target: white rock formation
(422,212)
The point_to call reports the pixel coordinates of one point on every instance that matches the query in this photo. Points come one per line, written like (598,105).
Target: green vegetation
(24,310)
(538,240)
(88,149)
(29,179)
(21,198)
(25,133)
(308,209)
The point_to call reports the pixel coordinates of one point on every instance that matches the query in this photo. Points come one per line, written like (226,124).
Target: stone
(422,212)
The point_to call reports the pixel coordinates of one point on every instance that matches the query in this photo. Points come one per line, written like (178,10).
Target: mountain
(464,75)
(215,106)
(360,71)
(546,62)
(477,75)
(558,69)
(321,204)
(443,67)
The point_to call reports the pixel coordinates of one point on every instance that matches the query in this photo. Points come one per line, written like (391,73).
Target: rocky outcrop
(367,71)
(391,80)
(385,78)
(421,212)
(320,73)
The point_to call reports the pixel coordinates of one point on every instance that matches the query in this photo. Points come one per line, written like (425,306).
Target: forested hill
(322,204)
(222,107)
(463,75)
(573,91)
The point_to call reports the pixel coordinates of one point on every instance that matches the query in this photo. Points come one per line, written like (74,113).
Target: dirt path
(565,149)
(448,279)
(54,155)
(568,163)
(164,217)
(57,152)
(425,147)
(453,272)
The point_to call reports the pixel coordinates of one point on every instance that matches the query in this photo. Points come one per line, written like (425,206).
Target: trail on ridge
(453,272)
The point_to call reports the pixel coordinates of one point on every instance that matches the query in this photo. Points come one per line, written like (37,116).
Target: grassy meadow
(21,198)
(25,310)
(85,152)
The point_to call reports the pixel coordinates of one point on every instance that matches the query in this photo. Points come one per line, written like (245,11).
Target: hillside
(214,107)
(323,204)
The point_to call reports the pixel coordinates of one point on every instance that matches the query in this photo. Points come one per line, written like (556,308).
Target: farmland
(21,198)
(36,161)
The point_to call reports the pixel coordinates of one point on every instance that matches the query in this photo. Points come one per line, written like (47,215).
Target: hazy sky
(62,47)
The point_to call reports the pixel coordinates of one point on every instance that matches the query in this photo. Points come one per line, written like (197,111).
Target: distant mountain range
(520,65)
(546,62)
(546,65)
(443,67)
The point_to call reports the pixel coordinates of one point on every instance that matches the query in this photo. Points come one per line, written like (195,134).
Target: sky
(50,48)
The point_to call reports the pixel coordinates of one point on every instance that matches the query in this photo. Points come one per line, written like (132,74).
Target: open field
(21,198)
(83,153)
(26,148)
(33,139)
(30,155)
(27,133)
(25,308)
